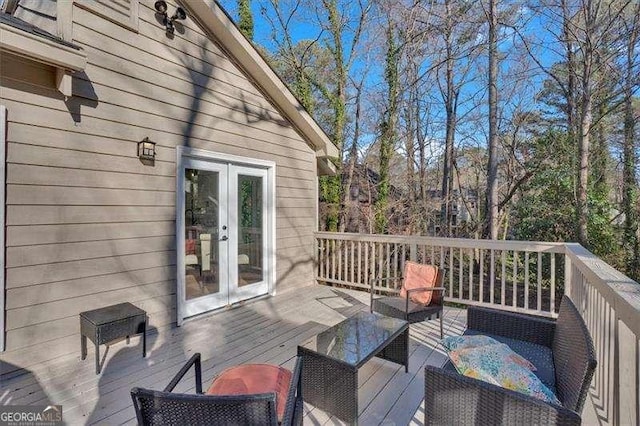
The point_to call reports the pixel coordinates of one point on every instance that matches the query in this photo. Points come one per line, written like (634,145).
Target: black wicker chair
(451,398)
(404,308)
(166,408)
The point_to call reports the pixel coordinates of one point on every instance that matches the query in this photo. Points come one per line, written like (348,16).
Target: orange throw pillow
(417,275)
(248,379)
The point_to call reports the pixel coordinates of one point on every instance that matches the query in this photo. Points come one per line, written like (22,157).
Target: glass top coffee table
(331,359)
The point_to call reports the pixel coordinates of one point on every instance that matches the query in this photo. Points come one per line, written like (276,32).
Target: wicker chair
(562,351)
(166,408)
(402,306)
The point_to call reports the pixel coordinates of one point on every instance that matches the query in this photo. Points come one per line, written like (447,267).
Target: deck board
(265,331)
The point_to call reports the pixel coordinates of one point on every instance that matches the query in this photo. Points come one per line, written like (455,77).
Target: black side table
(112,322)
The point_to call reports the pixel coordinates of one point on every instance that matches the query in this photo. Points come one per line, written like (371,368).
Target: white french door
(224,226)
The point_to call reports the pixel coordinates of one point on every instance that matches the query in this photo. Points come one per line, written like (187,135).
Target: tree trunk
(412,199)
(346,203)
(582,210)
(571,72)
(450,109)
(492,170)
(629,160)
(388,132)
(331,186)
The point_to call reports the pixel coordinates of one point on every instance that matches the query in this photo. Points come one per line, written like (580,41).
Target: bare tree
(631,25)
(492,167)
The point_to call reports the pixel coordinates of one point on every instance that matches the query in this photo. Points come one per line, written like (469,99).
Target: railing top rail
(620,291)
(531,246)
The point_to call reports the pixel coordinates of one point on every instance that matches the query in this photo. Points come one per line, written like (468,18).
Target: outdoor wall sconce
(146,150)
(179,14)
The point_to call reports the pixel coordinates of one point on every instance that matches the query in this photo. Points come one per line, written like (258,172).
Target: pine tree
(245,22)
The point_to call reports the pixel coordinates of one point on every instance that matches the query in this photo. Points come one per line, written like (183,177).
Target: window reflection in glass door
(250,230)
(201,233)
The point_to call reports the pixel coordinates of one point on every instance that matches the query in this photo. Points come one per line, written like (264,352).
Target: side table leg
(406,351)
(97,358)
(83,346)
(397,350)
(144,338)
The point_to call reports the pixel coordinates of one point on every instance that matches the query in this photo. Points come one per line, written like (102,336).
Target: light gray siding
(87,223)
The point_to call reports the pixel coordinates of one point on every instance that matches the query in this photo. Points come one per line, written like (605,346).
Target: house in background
(149,160)
(360,203)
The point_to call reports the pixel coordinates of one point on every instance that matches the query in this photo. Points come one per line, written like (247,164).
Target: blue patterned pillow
(496,364)
(453,343)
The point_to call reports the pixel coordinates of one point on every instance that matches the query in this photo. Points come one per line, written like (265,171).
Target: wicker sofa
(561,350)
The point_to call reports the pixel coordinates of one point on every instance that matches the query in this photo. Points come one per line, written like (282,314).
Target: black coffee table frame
(112,322)
(332,384)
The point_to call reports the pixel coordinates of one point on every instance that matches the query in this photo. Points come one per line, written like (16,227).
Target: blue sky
(310,30)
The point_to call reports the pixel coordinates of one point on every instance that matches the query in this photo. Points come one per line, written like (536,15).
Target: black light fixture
(179,14)
(146,150)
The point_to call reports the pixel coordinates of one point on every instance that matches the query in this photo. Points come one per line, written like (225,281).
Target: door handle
(224,238)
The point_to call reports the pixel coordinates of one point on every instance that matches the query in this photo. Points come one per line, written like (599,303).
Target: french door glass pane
(250,232)
(201,233)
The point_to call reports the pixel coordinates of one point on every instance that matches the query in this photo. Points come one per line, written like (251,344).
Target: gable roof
(221,28)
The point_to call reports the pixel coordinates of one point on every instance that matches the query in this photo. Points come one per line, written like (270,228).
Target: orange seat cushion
(250,379)
(417,275)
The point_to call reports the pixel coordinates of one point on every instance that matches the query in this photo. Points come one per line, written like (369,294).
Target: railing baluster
(492,276)
(380,265)
(471,256)
(339,256)
(341,250)
(388,258)
(395,260)
(450,271)
(327,264)
(539,281)
(503,278)
(352,267)
(413,252)
(366,264)
(514,280)
(552,308)
(481,277)
(403,258)
(460,273)
(345,265)
(320,257)
(359,262)
(526,280)
(333,259)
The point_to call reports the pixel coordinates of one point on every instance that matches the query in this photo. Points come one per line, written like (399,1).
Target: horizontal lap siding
(87,224)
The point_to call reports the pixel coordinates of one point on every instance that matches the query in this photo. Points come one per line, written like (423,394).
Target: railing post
(568,270)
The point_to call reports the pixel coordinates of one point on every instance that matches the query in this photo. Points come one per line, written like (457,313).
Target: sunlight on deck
(266,331)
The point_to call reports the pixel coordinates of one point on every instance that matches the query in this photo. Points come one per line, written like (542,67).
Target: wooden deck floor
(266,331)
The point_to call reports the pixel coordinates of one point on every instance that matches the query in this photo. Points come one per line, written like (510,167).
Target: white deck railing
(522,276)
(610,304)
